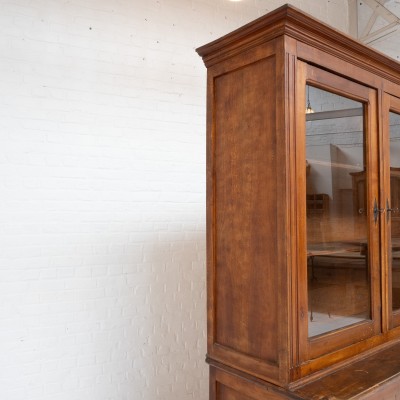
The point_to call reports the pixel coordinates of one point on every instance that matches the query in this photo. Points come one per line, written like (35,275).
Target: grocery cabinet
(303,218)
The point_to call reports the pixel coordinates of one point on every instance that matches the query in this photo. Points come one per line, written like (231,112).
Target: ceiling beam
(353,18)
(379,10)
(384,32)
(349,112)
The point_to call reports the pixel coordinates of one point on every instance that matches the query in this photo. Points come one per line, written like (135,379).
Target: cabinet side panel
(245,211)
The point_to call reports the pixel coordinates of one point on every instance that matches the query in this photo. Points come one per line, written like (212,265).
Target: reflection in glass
(394,205)
(337,245)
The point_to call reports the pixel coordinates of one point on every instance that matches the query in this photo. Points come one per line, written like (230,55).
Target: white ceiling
(379,24)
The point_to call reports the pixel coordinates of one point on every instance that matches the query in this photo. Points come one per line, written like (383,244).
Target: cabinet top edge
(290,21)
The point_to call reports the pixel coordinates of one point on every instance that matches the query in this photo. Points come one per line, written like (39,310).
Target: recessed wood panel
(245,211)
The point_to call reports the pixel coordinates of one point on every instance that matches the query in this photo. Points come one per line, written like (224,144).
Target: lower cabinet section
(228,385)
(376,377)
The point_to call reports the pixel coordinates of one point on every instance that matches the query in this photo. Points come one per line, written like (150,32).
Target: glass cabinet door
(391,192)
(341,213)
(338,276)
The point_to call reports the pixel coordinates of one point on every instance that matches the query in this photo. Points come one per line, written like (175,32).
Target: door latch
(377,210)
(388,209)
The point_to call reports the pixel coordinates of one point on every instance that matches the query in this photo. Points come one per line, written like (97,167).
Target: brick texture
(102,179)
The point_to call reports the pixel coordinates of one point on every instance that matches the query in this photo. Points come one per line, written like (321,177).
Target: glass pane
(395,205)
(337,245)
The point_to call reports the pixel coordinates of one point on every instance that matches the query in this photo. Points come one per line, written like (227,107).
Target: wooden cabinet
(303,197)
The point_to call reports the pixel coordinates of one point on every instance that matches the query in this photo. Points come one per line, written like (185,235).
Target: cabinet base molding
(373,377)
(229,384)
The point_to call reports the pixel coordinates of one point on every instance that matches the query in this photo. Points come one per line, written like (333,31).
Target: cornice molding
(290,21)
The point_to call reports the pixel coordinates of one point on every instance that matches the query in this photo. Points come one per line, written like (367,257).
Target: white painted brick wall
(102,179)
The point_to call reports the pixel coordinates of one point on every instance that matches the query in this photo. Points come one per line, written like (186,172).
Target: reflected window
(337,241)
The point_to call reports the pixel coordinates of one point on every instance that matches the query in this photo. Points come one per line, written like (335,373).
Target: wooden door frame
(316,348)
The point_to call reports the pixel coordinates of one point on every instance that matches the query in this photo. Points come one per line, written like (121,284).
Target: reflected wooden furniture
(317,203)
(328,270)
(258,343)
(358,184)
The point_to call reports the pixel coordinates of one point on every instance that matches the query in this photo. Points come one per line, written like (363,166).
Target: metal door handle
(377,210)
